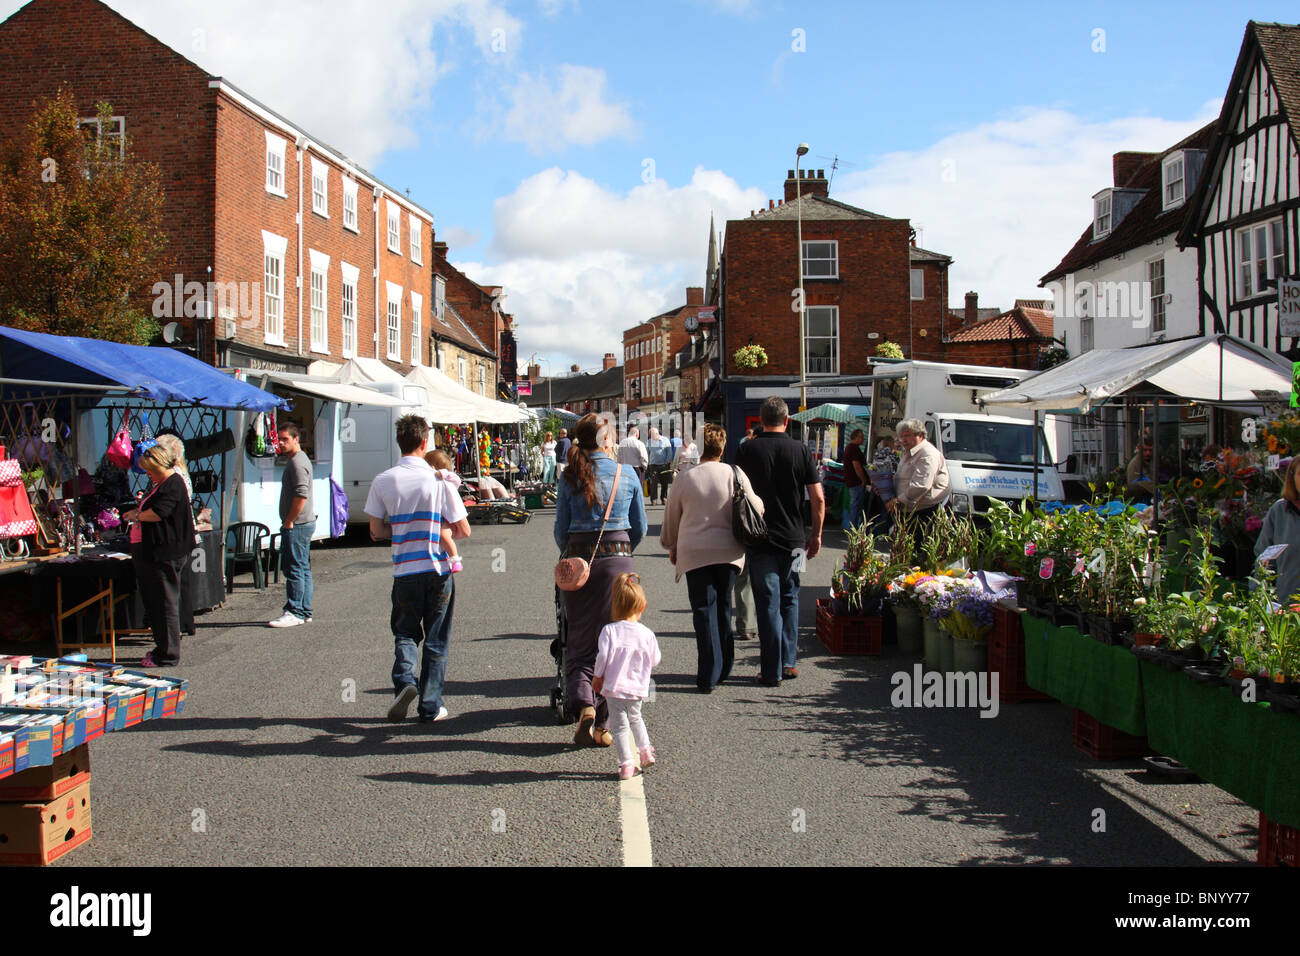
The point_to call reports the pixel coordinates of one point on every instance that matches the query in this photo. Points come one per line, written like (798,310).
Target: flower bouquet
(750,357)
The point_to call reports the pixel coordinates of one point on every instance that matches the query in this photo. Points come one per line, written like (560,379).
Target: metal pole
(803,350)
(1034,492)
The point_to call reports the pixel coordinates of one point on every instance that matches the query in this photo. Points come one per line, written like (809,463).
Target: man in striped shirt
(410,504)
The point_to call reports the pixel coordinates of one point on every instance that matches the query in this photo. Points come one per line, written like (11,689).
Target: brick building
(298,253)
(865,282)
(579,392)
(650,347)
(1016,338)
(469,329)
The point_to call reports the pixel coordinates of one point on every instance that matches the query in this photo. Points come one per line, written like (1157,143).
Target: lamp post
(799,153)
(533,360)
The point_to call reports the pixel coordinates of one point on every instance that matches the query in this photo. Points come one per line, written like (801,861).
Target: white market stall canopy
(834,412)
(488,410)
(333,391)
(356,371)
(1215,369)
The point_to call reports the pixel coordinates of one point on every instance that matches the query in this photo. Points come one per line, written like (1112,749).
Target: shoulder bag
(571,573)
(748,526)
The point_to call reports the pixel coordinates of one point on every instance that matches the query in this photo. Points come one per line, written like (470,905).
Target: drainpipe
(379,194)
(301,144)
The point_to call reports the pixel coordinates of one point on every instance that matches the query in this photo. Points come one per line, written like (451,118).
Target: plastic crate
(1007,658)
(840,634)
(1103,742)
(1279,844)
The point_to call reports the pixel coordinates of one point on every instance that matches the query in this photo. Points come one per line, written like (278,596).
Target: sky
(573,151)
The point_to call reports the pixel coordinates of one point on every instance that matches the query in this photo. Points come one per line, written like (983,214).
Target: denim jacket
(572,516)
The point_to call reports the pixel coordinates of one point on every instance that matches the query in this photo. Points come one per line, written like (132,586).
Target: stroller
(557,652)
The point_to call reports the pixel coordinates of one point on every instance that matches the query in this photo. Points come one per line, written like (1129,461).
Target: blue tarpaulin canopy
(159,374)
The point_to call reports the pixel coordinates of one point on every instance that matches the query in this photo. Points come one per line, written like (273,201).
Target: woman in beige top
(697,533)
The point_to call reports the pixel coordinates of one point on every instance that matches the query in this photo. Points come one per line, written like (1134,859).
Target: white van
(989,456)
(368,436)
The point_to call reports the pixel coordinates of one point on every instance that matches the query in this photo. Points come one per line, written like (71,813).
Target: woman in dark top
(166,533)
(583,491)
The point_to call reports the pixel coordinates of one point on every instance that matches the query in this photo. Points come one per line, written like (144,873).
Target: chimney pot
(771,204)
(821,174)
(789,174)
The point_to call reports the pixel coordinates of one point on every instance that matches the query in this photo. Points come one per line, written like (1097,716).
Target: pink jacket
(626,654)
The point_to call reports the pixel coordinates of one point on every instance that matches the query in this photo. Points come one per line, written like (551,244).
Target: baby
(440,462)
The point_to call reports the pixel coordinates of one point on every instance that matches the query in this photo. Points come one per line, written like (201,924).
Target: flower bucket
(932,634)
(969,656)
(907,622)
(945,651)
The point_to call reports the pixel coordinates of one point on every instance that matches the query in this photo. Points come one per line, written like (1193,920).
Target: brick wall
(672,336)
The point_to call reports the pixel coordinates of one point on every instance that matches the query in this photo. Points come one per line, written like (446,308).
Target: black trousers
(661,476)
(160,589)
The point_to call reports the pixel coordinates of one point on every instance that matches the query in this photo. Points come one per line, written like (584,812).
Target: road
(283,755)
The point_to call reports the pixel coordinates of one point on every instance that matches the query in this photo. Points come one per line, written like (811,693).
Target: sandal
(586,719)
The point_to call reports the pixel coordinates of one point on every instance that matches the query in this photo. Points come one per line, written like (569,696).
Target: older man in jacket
(921,482)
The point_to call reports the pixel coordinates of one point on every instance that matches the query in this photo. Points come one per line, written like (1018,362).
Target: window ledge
(352,229)
(280,342)
(320,351)
(276,192)
(397,251)
(323,215)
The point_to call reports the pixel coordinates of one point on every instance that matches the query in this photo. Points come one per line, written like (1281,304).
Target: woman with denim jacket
(583,492)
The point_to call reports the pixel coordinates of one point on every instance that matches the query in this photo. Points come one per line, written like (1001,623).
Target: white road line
(636,824)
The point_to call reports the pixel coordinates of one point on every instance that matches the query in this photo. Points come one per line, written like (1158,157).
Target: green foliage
(890,350)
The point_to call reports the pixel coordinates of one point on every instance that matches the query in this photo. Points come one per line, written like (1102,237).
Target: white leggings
(625,715)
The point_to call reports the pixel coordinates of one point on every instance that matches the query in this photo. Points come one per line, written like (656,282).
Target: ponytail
(580,473)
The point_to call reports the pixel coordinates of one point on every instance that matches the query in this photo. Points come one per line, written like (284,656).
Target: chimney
(610,361)
(972,309)
(807,184)
(440,249)
(534,373)
(771,204)
(694,295)
(1124,165)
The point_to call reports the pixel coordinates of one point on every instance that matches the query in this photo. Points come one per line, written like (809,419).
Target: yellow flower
(1196,483)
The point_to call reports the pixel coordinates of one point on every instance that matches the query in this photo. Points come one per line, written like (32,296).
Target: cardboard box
(37,834)
(42,784)
(44,733)
(7,746)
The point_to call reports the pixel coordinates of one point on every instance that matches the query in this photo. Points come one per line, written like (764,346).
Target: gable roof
(1279,46)
(814,208)
(584,387)
(1146,221)
(1020,323)
(918,254)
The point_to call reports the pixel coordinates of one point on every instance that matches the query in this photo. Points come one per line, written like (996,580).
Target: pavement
(283,755)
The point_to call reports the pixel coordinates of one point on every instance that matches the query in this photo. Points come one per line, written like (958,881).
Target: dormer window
(1101,214)
(1173,178)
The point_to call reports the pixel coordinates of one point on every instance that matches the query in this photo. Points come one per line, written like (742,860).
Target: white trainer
(287,620)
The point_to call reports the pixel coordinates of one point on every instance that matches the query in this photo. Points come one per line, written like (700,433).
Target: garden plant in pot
(969,621)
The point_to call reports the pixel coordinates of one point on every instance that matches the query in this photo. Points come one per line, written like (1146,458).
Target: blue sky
(573,150)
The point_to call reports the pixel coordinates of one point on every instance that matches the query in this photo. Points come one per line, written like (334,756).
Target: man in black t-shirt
(780,469)
(855,479)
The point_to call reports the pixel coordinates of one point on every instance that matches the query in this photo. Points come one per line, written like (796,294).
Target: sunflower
(1197,483)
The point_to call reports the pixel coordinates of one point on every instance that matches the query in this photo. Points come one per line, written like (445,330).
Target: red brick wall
(1001,354)
(672,336)
(930,314)
(400,269)
(169,111)
(873,290)
(474,305)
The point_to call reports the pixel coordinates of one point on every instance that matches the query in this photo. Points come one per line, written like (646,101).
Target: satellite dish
(171,333)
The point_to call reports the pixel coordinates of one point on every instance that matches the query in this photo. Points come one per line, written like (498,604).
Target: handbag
(31,449)
(119,449)
(747,525)
(146,442)
(571,573)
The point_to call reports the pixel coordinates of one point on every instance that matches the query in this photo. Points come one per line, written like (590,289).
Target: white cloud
(581,263)
(548,113)
(308,62)
(1007,199)
(458,237)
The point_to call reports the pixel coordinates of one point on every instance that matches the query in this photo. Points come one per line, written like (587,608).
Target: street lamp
(803,349)
(533,361)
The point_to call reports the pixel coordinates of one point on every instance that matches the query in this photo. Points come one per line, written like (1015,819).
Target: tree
(81,238)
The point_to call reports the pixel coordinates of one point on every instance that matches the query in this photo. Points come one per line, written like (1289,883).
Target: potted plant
(969,621)
(890,350)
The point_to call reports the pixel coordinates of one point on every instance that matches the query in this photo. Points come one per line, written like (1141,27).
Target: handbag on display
(146,442)
(16,516)
(747,525)
(120,448)
(204,482)
(205,446)
(31,449)
(572,573)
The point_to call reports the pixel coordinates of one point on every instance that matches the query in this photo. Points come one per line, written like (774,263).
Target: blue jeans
(709,591)
(853,516)
(422,606)
(295,562)
(548,469)
(776,600)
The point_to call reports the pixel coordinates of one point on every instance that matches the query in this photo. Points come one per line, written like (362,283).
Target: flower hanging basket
(751,356)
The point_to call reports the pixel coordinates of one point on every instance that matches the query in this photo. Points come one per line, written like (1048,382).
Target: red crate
(1279,844)
(1007,658)
(840,634)
(1103,742)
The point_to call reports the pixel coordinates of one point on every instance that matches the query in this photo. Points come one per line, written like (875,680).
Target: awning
(334,391)
(1217,369)
(488,410)
(159,374)
(834,412)
(357,371)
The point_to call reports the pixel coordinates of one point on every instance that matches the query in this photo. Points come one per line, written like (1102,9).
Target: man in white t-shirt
(411,505)
(632,452)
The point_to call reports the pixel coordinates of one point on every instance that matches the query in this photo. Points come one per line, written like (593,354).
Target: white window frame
(918,276)
(393,342)
(274,249)
(1101,214)
(440,299)
(417,329)
(351,221)
(394,227)
(1156,287)
(834,259)
(808,359)
(275,150)
(441,359)
(318,303)
(348,308)
(482,379)
(1087,334)
(320,176)
(461,370)
(1167,181)
(1250,263)
(119,134)
(417,242)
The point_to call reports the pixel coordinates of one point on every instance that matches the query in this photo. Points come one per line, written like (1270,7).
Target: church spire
(711,271)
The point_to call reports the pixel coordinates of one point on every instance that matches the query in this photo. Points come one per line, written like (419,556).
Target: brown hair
(629,596)
(412,430)
(1288,485)
(439,459)
(290,429)
(581,473)
(715,441)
